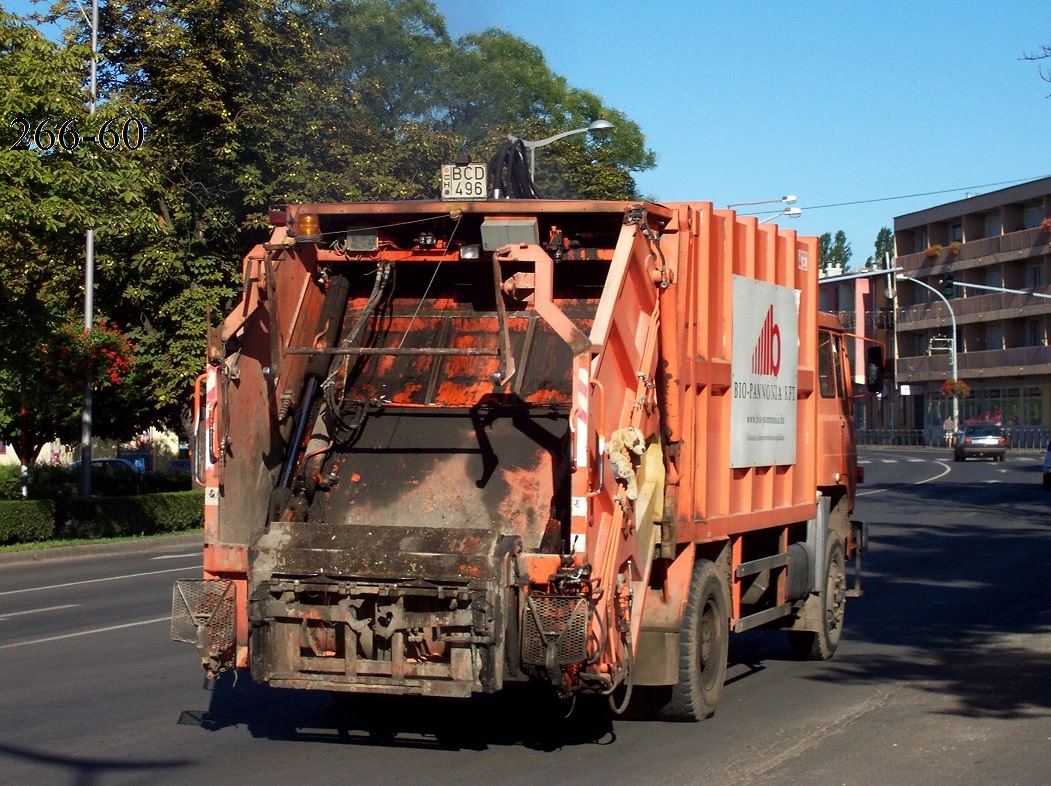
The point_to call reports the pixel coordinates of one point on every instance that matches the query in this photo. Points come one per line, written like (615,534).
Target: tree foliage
(834,251)
(884,245)
(48,199)
(246,103)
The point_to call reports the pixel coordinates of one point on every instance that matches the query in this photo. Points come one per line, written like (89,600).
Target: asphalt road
(942,677)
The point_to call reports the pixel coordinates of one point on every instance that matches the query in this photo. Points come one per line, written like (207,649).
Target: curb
(157,543)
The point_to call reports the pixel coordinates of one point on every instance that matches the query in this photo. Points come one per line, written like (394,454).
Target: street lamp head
(901,277)
(785,200)
(792,212)
(597,125)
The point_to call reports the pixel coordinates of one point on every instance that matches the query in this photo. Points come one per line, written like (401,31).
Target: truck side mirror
(874,369)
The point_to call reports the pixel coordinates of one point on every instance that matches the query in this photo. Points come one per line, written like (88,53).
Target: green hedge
(148,514)
(25,521)
(10,482)
(61,483)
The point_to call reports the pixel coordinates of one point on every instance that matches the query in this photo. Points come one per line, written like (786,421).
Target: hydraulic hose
(331,322)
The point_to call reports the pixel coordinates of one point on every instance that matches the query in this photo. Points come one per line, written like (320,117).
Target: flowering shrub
(954,247)
(932,251)
(1045,225)
(955,388)
(103,350)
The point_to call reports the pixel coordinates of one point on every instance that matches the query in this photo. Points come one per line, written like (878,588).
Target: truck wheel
(821,645)
(703,647)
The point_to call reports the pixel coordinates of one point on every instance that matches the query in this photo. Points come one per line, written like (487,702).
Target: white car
(1047,467)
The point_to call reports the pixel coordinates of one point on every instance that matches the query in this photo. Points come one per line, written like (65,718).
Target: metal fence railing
(1018,437)
(898,437)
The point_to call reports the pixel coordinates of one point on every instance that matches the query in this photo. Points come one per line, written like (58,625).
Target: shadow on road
(957,603)
(86,771)
(518,716)
(958,595)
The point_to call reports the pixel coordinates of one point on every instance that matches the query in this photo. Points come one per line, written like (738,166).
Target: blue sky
(831,101)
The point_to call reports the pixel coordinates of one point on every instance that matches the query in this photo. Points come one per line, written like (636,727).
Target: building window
(992,224)
(1034,332)
(994,337)
(1032,215)
(956,233)
(1034,276)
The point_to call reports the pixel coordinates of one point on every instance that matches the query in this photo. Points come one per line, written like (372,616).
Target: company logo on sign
(766,359)
(764,372)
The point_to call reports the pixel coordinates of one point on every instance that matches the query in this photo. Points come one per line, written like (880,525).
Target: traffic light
(948,285)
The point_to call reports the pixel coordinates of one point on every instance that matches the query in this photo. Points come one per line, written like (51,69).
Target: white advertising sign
(764,370)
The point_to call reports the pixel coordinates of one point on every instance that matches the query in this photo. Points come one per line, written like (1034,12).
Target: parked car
(115,465)
(981,440)
(114,476)
(180,467)
(1047,467)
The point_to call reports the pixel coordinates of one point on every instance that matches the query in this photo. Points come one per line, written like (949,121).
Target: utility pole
(952,347)
(892,294)
(89,282)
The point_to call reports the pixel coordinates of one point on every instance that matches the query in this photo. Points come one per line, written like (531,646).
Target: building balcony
(974,308)
(977,253)
(877,319)
(973,366)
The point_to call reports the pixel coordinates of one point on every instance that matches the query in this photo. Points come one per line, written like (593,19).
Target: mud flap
(204,614)
(555,633)
(859,535)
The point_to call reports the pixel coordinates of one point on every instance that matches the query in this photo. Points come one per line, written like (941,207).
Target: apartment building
(999,240)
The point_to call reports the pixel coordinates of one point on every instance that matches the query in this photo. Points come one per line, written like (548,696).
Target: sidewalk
(179,542)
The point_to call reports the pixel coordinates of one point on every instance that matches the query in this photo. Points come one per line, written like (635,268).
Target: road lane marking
(85,632)
(37,611)
(947,469)
(96,581)
(178,556)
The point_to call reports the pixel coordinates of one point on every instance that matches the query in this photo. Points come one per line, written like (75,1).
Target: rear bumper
(980,451)
(426,622)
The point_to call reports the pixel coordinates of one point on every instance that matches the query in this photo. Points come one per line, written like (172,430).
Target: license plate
(466,182)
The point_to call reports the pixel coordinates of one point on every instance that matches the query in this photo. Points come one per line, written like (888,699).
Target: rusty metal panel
(500,471)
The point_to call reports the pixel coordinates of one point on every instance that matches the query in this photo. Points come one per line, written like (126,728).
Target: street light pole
(788,212)
(787,200)
(89,283)
(598,125)
(952,354)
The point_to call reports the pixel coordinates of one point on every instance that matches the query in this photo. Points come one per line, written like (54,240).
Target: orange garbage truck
(451,445)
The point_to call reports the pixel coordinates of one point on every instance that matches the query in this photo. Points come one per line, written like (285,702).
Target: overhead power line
(924,193)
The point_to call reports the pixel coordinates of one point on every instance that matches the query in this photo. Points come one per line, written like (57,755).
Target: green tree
(834,251)
(500,86)
(252,102)
(49,195)
(884,245)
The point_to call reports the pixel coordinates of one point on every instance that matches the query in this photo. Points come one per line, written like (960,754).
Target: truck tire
(703,647)
(821,644)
